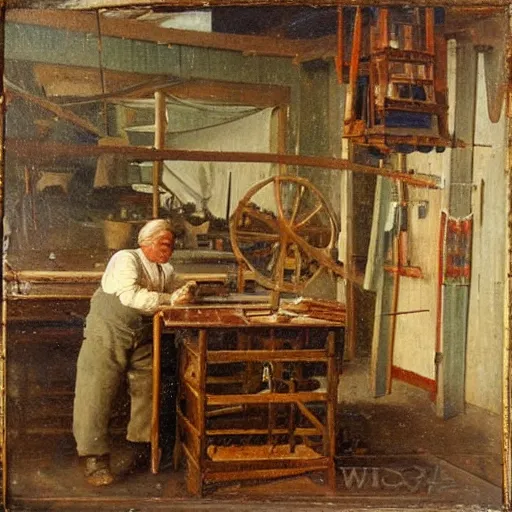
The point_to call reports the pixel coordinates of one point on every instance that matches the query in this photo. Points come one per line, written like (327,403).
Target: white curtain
(206,183)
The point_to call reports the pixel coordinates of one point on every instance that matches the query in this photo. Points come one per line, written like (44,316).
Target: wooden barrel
(118,235)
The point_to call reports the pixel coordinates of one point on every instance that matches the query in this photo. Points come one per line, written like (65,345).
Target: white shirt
(143,287)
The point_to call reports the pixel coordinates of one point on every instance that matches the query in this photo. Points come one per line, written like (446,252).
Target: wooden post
(332,400)
(160,129)
(398,252)
(201,412)
(354,68)
(155,415)
(339,45)
(452,367)
(350,329)
(429,30)
(383,41)
(281,134)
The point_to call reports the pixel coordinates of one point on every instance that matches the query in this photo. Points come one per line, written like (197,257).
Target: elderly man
(117,345)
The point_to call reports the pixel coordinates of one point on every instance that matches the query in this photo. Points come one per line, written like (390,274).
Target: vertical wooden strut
(332,400)
(354,68)
(339,52)
(399,254)
(202,404)
(160,129)
(155,413)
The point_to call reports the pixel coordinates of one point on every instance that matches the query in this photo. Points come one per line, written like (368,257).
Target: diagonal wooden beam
(60,112)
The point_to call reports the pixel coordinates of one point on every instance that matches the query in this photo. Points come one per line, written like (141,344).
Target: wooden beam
(76,21)
(80,81)
(37,150)
(59,80)
(60,112)
(258,95)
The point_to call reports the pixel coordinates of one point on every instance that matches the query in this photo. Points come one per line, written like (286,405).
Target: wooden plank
(232,356)
(60,80)
(380,281)
(258,95)
(261,431)
(260,474)
(47,276)
(265,398)
(237,463)
(39,151)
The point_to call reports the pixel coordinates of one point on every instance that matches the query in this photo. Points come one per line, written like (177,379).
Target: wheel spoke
(296,203)
(309,216)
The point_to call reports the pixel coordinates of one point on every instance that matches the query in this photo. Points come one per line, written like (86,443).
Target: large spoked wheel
(285,232)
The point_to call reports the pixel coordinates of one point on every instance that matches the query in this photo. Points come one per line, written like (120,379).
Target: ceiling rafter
(137,30)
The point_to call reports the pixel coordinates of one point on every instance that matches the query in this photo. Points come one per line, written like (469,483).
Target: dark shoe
(97,470)
(140,457)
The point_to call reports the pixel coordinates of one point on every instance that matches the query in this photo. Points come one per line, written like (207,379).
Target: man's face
(160,249)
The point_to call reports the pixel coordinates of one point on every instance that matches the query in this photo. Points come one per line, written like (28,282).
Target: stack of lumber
(316,308)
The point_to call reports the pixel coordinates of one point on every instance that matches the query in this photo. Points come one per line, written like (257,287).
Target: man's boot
(141,456)
(97,470)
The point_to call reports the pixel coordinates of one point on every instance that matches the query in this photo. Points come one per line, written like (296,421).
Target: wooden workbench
(228,429)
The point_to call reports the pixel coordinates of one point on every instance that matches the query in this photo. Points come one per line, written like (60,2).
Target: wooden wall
(415,342)
(487,296)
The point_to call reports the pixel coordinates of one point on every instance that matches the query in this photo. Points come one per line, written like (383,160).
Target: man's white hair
(152,230)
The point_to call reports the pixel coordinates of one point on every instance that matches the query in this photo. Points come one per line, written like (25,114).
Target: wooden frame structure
(257,338)
(397,97)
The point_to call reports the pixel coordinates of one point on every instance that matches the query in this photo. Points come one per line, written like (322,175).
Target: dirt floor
(393,454)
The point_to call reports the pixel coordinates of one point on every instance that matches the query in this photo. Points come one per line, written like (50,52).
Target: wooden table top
(238,315)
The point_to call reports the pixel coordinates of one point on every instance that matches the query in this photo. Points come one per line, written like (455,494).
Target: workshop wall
(309,118)
(487,297)
(415,343)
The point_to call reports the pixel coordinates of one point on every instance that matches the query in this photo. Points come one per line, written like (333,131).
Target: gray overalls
(117,342)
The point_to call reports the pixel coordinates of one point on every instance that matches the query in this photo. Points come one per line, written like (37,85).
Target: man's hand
(185,294)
